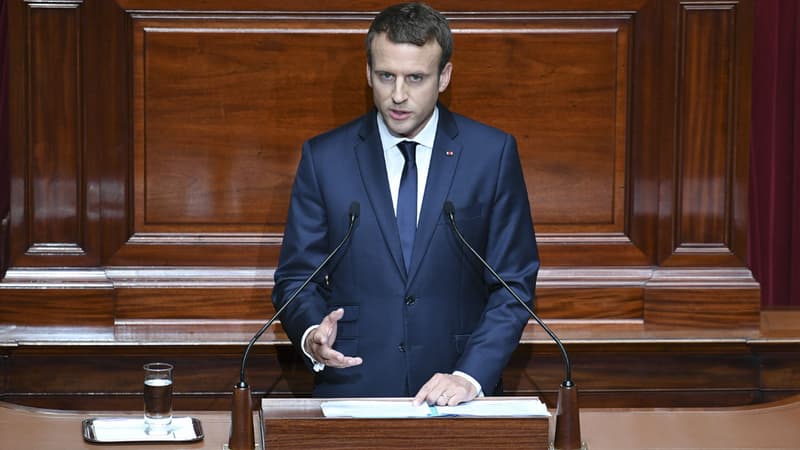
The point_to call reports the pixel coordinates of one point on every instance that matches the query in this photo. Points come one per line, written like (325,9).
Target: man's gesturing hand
(319,343)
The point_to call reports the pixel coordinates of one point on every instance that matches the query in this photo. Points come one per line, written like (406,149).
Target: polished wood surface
(769,426)
(45,429)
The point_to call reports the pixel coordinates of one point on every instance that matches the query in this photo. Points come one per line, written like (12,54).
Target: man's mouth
(399,115)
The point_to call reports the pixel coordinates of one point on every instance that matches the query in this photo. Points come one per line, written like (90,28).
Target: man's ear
(444,76)
(369,75)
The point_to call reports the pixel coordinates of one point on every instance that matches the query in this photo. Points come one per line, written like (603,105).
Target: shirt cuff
(317,366)
(470,379)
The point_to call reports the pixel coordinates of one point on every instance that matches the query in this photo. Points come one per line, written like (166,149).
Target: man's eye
(385,76)
(415,78)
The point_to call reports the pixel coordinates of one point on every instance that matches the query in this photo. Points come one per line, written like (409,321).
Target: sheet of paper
(377,409)
(531,407)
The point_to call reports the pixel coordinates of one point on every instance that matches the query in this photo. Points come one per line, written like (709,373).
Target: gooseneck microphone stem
(353,213)
(567,434)
(450,211)
(242,430)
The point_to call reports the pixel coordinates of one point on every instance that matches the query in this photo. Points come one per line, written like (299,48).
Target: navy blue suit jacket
(447,313)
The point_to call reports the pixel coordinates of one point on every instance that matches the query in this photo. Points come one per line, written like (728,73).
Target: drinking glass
(157,397)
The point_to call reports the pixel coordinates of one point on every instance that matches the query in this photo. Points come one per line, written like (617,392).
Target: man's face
(406,83)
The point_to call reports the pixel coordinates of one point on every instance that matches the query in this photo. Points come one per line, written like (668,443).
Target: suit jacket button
(410,300)
(402,347)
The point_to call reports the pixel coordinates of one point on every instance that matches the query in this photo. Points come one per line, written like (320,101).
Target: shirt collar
(425,137)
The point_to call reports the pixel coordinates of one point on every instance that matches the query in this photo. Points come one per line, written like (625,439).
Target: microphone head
(449,209)
(355,209)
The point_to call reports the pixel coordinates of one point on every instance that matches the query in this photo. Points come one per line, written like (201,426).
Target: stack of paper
(404,408)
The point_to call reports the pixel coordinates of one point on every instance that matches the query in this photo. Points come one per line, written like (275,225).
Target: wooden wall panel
(222,109)
(163,153)
(55,123)
(700,202)
(205,161)
(703,209)
(566,82)
(49,202)
(218,128)
(705,112)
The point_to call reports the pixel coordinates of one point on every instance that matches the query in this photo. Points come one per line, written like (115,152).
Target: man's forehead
(384,51)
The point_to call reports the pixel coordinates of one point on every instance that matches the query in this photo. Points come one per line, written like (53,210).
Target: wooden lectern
(300,424)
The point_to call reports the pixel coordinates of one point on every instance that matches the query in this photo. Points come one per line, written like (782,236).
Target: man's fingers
(330,320)
(316,338)
(429,392)
(445,389)
(421,397)
(325,334)
(336,359)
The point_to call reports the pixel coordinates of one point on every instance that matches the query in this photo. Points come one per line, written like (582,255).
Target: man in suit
(405,309)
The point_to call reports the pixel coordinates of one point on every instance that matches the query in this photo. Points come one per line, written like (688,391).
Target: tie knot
(408,149)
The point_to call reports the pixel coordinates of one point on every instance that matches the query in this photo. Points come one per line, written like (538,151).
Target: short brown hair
(412,23)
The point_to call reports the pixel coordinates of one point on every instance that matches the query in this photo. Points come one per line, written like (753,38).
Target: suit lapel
(444,160)
(369,154)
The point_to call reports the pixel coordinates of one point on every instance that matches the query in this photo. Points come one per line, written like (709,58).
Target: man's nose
(399,92)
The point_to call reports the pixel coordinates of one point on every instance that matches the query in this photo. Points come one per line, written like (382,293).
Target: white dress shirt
(395,160)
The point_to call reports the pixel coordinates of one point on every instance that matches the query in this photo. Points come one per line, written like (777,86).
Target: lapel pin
(449,153)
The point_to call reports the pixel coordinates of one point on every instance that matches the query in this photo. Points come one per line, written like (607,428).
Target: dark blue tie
(407,200)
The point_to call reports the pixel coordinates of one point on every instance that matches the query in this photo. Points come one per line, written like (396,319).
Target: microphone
(568,432)
(242,437)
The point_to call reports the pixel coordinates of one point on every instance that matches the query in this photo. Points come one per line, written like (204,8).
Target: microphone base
(568,427)
(242,434)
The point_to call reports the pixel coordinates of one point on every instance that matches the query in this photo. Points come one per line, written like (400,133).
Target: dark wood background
(154,143)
